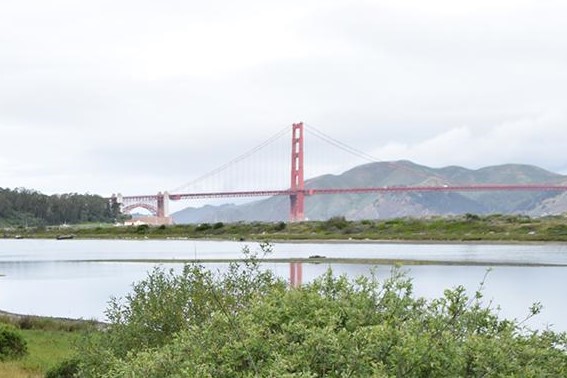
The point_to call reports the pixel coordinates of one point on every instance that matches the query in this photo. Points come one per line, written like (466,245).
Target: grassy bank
(46,349)
(49,342)
(462,228)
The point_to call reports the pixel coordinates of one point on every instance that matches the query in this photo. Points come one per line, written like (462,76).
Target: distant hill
(390,205)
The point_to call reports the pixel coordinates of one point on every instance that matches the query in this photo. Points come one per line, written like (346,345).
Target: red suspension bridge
(158,204)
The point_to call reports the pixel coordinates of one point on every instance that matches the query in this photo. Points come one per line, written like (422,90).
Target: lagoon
(76,278)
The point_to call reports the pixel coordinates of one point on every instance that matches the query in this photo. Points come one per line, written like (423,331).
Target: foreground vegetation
(468,227)
(246,322)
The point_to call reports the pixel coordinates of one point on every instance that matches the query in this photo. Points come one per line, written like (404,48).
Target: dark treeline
(24,207)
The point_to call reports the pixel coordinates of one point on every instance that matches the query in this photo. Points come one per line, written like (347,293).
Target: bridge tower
(162,200)
(297,196)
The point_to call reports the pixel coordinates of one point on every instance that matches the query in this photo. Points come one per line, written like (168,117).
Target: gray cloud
(139,96)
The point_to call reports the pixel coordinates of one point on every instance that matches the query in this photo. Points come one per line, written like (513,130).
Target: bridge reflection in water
(295,274)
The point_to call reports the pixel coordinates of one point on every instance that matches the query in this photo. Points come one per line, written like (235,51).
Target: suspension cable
(239,158)
(337,143)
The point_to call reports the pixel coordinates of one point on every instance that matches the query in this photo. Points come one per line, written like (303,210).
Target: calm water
(56,278)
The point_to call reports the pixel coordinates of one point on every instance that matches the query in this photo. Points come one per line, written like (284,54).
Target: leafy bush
(247,322)
(167,303)
(25,322)
(66,369)
(335,223)
(203,227)
(280,226)
(12,344)
(471,217)
(142,229)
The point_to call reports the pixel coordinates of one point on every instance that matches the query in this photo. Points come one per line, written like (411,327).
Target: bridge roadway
(381,189)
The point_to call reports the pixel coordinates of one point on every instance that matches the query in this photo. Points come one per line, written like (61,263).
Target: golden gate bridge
(158,204)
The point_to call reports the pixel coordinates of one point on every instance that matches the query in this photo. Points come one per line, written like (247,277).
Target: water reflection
(295,274)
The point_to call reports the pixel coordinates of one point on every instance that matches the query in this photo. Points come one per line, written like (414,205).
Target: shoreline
(409,241)
(312,241)
(467,228)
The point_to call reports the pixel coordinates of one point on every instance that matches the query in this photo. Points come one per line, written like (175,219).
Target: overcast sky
(142,96)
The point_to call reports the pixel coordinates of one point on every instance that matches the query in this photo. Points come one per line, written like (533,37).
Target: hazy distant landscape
(387,206)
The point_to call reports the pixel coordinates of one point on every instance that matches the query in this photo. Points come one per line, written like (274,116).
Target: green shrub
(335,223)
(26,322)
(471,217)
(280,226)
(142,229)
(246,322)
(66,369)
(203,227)
(166,303)
(12,344)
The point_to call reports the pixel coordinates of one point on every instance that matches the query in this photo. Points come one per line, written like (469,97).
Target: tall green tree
(24,207)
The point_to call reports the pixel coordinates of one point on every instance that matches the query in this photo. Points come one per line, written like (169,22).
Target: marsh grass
(45,350)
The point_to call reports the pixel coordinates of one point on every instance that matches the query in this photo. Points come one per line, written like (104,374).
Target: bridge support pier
(162,205)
